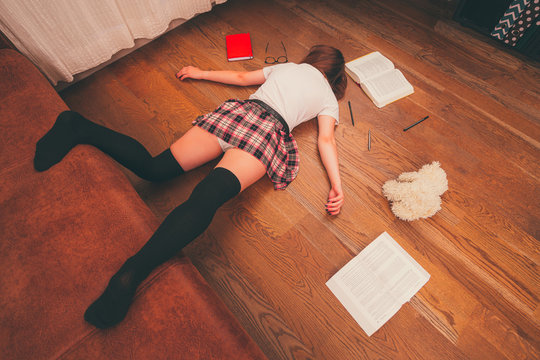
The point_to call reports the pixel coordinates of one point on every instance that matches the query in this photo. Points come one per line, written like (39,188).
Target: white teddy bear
(416,195)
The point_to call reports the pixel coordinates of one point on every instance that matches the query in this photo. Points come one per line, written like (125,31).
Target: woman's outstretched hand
(335,200)
(189,72)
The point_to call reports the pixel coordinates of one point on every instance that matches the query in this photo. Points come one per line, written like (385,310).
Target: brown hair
(331,63)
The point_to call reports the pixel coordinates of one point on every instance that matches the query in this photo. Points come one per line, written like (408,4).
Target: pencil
(416,123)
(352,119)
(369,140)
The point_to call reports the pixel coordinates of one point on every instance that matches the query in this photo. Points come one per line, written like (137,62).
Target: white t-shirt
(298,92)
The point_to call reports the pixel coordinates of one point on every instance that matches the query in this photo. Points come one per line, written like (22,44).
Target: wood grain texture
(269,253)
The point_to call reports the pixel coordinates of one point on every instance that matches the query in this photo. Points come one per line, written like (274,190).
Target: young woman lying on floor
(254,136)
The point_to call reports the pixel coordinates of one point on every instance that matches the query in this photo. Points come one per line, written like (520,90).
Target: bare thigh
(195,148)
(246,167)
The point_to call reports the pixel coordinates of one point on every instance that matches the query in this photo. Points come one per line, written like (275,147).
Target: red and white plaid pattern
(250,127)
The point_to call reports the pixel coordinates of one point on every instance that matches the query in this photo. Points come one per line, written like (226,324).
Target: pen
(352,119)
(416,123)
(369,140)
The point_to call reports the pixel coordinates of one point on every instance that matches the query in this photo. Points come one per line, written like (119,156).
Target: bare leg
(195,148)
(247,168)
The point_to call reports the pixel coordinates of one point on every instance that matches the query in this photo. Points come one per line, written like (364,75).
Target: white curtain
(66,37)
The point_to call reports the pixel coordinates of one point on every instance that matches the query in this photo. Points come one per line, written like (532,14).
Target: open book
(379,79)
(377,282)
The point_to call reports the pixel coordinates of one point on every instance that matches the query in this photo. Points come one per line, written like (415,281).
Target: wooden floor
(269,253)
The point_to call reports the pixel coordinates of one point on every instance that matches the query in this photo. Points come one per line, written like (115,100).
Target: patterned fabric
(248,126)
(525,20)
(510,16)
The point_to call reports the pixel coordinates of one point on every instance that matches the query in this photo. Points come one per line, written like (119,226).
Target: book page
(377,282)
(387,87)
(369,66)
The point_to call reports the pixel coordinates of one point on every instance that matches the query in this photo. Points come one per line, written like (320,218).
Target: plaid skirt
(256,128)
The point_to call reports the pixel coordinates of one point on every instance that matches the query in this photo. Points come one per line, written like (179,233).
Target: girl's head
(331,63)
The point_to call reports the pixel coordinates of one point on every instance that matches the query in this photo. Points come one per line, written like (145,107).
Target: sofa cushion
(67,230)
(160,324)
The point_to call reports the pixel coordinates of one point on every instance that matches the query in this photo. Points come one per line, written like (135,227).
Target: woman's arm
(329,157)
(242,78)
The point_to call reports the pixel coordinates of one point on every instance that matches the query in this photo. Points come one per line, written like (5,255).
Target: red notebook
(239,47)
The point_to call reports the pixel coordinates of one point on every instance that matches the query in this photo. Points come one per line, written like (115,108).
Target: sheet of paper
(377,282)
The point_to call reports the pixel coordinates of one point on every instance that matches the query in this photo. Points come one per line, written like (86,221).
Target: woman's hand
(190,72)
(335,200)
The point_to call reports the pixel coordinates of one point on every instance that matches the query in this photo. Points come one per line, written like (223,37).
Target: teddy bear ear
(433,167)
(439,178)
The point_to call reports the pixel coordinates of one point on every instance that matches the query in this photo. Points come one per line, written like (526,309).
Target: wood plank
(451,59)
(439,132)
(268,253)
(506,339)
(226,253)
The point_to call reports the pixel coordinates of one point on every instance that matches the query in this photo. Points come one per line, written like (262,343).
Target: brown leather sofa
(65,231)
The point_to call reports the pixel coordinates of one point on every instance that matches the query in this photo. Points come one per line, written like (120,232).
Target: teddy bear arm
(408,177)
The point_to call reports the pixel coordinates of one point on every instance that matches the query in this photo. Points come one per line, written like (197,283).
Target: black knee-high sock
(179,228)
(72,128)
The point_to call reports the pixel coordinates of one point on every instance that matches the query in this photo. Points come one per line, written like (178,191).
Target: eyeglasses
(273,60)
